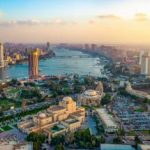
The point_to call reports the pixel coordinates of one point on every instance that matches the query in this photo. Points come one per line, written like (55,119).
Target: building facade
(140,94)
(92,97)
(108,121)
(145,63)
(34,64)
(57,119)
(2,62)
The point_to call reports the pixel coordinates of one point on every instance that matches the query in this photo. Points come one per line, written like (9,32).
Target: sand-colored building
(56,119)
(33,61)
(92,97)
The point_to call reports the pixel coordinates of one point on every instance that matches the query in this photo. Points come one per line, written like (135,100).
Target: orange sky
(125,22)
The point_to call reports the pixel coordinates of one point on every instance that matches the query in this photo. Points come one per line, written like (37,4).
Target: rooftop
(106,118)
(71,120)
(56,108)
(116,147)
(90,93)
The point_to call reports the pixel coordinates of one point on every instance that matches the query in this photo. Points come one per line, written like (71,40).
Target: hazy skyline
(78,21)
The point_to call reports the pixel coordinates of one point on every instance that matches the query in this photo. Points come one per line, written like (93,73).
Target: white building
(116,147)
(143,147)
(140,56)
(2,62)
(107,120)
(13,145)
(140,94)
(145,63)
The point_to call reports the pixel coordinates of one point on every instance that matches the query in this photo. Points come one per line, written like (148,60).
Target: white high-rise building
(140,56)
(145,63)
(2,62)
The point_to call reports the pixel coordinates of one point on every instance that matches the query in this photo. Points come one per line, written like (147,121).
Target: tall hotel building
(34,64)
(2,63)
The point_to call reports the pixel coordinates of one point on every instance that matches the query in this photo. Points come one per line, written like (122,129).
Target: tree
(84,139)
(121,132)
(137,140)
(88,80)
(106,99)
(60,147)
(102,139)
(60,139)
(37,138)
(14,82)
(117,140)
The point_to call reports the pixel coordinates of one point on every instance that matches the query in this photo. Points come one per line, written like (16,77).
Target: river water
(65,62)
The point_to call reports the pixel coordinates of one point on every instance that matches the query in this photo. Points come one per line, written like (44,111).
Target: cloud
(20,22)
(141,17)
(109,16)
(36,22)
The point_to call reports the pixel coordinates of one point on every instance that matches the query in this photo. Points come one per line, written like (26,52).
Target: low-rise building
(116,147)
(64,117)
(143,147)
(137,93)
(15,146)
(92,97)
(109,124)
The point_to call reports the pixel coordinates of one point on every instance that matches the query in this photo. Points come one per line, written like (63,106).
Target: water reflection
(3,74)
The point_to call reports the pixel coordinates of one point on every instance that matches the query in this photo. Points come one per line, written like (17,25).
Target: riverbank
(65,62)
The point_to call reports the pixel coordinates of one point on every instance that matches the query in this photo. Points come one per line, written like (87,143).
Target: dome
(42,115)
(67,99)
(90,93)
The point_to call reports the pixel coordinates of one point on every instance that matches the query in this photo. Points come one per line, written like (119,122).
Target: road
(29,108)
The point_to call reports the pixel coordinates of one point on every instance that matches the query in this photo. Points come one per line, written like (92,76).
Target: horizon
(64,21)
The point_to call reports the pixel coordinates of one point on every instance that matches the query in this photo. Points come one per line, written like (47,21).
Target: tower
(34,64)
(48,46)
(145,64)
(2,64)
(140,56)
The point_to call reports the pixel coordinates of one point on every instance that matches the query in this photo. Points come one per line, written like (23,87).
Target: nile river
(65,62)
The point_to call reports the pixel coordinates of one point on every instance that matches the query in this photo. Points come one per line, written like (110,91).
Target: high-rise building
(93,47)
(2,62)
(145,64)
(86,47)
(34,64)
(48,46)
(140,56)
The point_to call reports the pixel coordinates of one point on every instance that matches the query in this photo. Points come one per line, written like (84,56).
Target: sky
(75,21)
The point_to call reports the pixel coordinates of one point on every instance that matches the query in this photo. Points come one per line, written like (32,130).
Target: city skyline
(97,21)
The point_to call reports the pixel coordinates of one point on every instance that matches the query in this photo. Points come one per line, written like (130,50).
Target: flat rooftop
(56,108)
(57,128)
(71,120)
(106,118)
(116,147)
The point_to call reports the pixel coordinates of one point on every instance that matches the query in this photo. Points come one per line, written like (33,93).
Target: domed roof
(67,99)
(42,115)
(90,93)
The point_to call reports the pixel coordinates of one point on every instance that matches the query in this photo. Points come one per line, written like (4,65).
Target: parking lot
(124,108)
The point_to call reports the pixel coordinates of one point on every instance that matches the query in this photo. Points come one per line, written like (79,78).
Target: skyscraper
(2,63)
(48,46)
(145,64)
(34,64)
